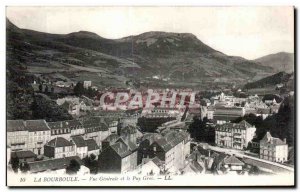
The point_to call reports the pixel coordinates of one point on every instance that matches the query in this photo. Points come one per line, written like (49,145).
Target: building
(59,148)
(93,148)
(17,135)
(224,164)
(56,166)
(131,132)
(108,141)
(28,135)
(81,148)
(95,129)
(273,149)
(234,135)
(171,147)
(39,135)
(120,157)
(150,167)
(112,124)
(150,124)
(161,112)
(87,84)
(59,129)
(24,156)
(210,112)
(224,114)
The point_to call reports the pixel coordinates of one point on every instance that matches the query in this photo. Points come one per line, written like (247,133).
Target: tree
(24,167)
(40,87)
(46,89)
(50,110)
(15,164)
(79,89)
(200,131)
(73,167)
(91,163)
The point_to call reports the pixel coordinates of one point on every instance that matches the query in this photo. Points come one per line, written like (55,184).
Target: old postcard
(150,96)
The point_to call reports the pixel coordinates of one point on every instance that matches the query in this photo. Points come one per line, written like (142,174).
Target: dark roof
(72,124)
(59,142)
(94,124)
(163,144)
(131,145)
(175,137)
(36,125)
(167,140)
(121,149)
(272,140)
(151,137)
(15,125)
(111,138)
(23,154)
(52,164)
(219,158)
(92,145)
(241,125)
(129,130)
(78,141)
(195,155)
(158,162)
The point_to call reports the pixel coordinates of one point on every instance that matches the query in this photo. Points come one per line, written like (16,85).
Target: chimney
(284,140)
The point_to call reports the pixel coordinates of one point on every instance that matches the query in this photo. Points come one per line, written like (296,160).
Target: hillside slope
(281,61)
(178,58)
(278,78)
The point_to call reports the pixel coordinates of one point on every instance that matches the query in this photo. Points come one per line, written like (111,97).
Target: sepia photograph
(150,96)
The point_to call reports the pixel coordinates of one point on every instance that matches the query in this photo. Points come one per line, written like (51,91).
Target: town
(222,133)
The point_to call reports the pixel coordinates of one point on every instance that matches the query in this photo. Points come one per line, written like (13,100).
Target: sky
(249,32)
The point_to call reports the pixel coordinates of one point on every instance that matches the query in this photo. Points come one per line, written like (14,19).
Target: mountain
(281,61)
(278,78)
(174,59)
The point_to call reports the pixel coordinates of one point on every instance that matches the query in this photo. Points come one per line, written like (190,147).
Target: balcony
(237,136)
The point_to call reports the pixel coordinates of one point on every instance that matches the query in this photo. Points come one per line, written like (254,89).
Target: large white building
(234,135)
(59,148)
(17,135)
(39,135)
(28,135)
(273,149)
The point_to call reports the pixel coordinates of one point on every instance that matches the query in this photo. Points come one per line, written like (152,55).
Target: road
(260,163)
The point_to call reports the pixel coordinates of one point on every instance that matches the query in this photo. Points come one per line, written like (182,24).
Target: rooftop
(272,140)
(23,154)
(72,124)
(36,125)
(15,125)
(52,164)
(92,145)
(232,160)
(59,142)
(79,141)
